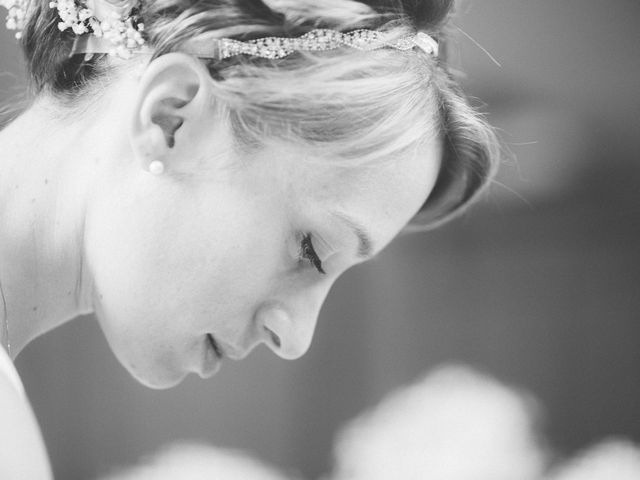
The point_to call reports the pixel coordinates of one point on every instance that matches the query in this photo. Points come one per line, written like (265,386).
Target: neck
(46,175)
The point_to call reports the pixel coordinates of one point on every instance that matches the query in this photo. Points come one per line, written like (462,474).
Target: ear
(173,99)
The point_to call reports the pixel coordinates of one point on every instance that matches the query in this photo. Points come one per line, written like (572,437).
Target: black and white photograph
(319,240)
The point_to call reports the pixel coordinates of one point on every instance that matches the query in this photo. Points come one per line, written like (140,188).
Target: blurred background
(538,285)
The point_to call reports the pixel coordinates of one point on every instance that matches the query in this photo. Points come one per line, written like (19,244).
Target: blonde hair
(349,105)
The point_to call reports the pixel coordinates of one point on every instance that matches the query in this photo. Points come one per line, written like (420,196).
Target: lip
(211,357)
(230,352)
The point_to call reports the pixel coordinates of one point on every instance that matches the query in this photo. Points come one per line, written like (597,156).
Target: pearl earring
(156,167)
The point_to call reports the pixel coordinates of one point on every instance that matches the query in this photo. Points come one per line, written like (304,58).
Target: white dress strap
(9,370)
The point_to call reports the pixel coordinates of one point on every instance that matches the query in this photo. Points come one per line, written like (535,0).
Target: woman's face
(192,269)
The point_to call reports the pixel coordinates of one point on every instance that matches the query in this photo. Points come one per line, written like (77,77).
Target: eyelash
(307,252)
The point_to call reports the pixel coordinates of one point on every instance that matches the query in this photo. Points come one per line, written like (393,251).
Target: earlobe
(174,93)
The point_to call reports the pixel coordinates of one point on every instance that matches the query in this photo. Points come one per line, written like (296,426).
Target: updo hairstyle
(343,104)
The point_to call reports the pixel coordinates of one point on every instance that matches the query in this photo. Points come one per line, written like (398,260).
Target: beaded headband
(115,27)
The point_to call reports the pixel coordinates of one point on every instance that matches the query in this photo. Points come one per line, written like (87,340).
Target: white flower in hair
(124,5)
(114,20)
(16,16)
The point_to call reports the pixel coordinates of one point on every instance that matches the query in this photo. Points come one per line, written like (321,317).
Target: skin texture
(213,245)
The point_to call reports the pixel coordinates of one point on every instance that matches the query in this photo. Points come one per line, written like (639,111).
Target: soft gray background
(539,285)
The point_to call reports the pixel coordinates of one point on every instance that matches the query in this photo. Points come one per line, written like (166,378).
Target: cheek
(124,257)
(169,266)
(203,259)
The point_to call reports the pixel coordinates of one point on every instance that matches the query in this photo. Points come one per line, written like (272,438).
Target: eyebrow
(365,244)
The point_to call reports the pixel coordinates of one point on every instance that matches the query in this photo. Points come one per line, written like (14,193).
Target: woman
(201,195)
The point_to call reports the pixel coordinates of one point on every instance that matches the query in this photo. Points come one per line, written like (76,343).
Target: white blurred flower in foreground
(200,462)
(455,424)
(609,460)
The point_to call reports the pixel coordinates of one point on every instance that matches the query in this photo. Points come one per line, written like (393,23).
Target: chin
(149,368)
(158,381)
(152,371)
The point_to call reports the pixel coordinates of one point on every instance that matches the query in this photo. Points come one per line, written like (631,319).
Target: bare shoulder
(22,451)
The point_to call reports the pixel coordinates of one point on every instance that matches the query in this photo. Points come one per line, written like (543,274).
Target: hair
(349,105)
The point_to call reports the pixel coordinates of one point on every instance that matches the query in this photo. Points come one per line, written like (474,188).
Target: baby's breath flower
(16,15)
(117,26)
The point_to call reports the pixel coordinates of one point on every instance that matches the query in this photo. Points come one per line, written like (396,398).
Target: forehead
(382,196)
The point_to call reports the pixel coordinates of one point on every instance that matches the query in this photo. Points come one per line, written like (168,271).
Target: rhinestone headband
(315,40)
(114,27)
(279,47)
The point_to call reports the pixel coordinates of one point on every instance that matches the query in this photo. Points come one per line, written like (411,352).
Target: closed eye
(308,253)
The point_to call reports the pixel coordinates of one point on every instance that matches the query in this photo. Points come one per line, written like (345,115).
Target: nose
(287,329)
